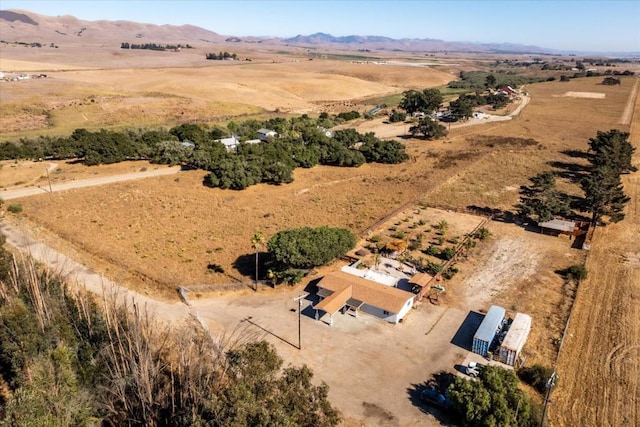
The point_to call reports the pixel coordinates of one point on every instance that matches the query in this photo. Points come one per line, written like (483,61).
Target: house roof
(266,131)
(345,286)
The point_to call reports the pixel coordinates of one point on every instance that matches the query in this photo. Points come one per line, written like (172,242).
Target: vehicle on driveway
(473,369)
(432,396)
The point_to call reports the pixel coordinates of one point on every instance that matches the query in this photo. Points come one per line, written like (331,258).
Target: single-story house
(265,134)
(341,290)
(232,143)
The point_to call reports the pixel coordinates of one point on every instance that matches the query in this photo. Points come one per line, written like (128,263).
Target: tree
(490,81)
(611,81)
(429,128)
(494,399)
(427,101)
(610,156)
(541,201)
(397,116)
(310,247)
(461,109)
(257,242)
(612,149)
(604,196)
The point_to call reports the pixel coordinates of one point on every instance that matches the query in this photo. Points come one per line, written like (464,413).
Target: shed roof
(518,332)
(371,293)
(487,329)
(421,279)
(559,224)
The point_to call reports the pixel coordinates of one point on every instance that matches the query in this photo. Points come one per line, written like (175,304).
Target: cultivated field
(599,366)
(155,234)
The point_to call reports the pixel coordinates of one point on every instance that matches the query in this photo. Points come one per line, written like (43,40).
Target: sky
(594,26)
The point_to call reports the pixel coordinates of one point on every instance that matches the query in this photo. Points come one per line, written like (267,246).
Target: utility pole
(299,299)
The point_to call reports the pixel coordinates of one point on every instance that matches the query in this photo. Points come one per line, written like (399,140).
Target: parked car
(432,396)
(473,369)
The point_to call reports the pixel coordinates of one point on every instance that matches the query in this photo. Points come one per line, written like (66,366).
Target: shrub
(577,272)
(536,376)
(482,234)
(15,208)
(432,250)
(448,253)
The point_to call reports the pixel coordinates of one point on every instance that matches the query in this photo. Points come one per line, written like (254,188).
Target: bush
(482,234)
(577,272)
(432,250)
(15,208)
(448,253)
(536,376)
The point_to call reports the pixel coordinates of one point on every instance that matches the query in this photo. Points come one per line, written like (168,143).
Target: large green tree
(492,400)
(426,101)
(428,128)
(612,149)
(610,155)
(308,247)
(541,200)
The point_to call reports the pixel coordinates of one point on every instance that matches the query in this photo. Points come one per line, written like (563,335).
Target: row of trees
(221,56)
(302,142)
(609,157)
(64,360)
(154,46)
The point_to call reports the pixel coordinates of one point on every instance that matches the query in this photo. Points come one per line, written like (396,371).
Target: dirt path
(627,115)
(82,276)
(599,364)
(31,191)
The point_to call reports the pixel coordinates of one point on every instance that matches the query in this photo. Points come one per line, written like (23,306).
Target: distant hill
(24,26)
(29,27)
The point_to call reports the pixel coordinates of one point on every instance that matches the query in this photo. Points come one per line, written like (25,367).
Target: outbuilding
(490,326)
(515,339)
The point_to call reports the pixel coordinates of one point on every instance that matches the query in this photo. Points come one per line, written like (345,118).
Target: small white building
(342,291)
(231,143)
(515,339)
(265,134)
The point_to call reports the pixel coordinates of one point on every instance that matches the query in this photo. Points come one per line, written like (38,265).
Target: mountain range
(29,27)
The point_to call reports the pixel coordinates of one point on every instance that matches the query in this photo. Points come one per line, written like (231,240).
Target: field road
(91,182)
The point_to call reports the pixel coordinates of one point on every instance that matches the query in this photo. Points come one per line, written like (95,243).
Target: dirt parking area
(375,369)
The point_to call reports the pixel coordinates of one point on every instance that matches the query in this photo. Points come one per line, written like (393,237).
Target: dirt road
(31,191)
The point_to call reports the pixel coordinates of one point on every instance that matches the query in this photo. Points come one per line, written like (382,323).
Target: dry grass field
(599,366)
(157,233)
(116,98)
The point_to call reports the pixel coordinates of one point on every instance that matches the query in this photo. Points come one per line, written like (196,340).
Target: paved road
(81,183)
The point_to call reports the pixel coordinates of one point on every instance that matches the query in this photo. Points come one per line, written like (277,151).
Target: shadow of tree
(246,265)
(574,172)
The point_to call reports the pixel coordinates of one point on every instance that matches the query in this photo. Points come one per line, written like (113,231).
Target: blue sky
(567,25)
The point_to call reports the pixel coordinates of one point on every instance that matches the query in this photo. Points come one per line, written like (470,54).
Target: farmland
(156,234)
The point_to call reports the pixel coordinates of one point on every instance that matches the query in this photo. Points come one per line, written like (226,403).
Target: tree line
(301,142)
(66,360)
(154,46)
(609,156)
(222,55)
